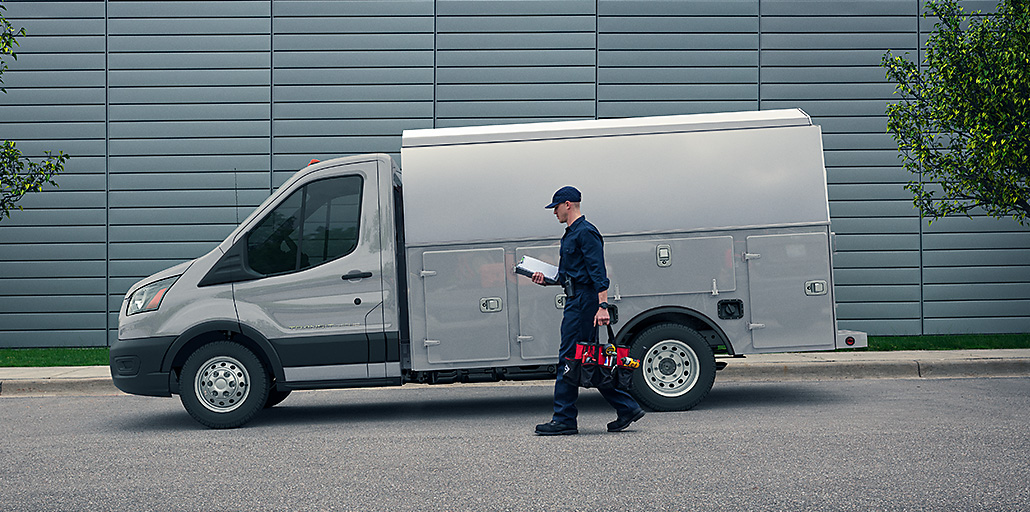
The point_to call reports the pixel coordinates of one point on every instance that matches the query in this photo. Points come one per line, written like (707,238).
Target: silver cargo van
(353,273)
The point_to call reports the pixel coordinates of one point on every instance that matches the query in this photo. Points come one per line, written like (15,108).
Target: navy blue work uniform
(582,260)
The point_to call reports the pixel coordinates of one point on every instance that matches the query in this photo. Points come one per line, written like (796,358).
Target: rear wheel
(677,367)
(223,385)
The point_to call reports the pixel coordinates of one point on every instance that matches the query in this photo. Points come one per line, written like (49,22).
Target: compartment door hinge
(752,327)
(430,343)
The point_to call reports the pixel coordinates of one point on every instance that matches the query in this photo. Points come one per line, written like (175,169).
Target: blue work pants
(578,325)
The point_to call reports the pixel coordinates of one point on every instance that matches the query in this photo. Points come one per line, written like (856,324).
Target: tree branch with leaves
(20,175)
(963,122)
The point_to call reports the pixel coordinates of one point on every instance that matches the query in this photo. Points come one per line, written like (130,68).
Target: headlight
(149,297)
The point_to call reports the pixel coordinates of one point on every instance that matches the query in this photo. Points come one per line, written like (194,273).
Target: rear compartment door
(466,306)
(540,310)
(789,280)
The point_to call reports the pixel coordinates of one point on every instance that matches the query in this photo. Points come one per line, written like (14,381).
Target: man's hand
(602,317)
(538,278)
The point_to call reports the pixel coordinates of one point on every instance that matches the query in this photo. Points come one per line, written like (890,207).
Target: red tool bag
(601,365)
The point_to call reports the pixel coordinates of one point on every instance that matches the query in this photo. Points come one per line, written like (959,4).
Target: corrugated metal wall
(182,116)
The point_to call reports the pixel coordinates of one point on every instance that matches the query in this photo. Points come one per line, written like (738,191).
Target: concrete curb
(58,387)
(803,370)
(952,364)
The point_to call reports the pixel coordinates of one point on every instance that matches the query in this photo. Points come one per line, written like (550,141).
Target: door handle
(357,274)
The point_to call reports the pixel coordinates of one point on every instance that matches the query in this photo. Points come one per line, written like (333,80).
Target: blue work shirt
(582,256)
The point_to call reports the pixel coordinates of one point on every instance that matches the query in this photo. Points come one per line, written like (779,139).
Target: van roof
(605,127)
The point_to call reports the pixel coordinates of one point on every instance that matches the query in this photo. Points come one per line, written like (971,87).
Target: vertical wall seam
(759,92)
(597,58)
(922,284)
(107,175)
(271,100)
(436,49)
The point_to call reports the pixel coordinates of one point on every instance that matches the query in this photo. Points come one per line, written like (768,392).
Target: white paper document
(528,266)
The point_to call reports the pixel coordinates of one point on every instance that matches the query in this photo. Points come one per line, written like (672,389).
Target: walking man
(582,272)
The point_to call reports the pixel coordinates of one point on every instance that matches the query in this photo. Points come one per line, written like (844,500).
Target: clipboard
(528,266)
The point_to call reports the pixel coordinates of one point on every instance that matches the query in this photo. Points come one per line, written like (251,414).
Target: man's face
(562,212)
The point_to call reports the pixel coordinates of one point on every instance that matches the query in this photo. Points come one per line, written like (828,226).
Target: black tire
(677,367)
(223,385)
(275,397)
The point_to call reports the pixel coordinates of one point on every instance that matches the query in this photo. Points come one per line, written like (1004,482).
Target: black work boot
(621,423)
(553,428)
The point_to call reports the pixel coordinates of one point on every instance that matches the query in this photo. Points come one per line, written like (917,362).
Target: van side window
(315,224)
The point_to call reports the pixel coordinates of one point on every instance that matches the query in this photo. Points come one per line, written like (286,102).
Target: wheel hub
(222,384)
(667,366)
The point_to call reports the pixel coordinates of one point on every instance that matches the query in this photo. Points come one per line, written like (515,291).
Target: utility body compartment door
(789,283)
(466,306)
(540,310)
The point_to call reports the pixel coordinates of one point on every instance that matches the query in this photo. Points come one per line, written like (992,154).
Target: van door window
(315,224)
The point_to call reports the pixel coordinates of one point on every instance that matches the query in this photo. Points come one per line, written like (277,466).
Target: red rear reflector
(850,340)
(314,161)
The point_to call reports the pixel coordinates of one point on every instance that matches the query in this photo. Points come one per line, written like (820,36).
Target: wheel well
(206,337)
(716,338)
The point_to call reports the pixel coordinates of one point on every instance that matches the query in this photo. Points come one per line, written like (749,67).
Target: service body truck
(717,241)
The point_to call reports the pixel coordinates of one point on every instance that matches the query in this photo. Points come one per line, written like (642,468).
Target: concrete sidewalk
(913,364)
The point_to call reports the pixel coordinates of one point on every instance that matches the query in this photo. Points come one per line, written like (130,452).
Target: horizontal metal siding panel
(876,293)
(976,325)
(321,8)
(677,7)
(945,241)
(977,291)
(830,8)
(54,338)
(978,309)
(187,9)
(892,327)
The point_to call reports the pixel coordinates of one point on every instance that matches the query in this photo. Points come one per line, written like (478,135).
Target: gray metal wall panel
(503,55)
(56,103)
(676,57)
(348,78)
(182,116)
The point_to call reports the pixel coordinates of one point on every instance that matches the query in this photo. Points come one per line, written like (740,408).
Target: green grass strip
(54,356)
(952,342)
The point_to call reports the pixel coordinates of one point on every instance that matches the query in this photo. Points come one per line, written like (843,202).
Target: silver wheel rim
(222,384)
(670,368)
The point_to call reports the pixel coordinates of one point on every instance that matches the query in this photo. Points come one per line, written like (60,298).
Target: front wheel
(223,385)
(677,367)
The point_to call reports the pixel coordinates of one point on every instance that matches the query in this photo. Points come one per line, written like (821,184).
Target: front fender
(199,334)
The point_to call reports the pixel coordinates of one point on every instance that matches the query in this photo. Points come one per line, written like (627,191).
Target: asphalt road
(899,444)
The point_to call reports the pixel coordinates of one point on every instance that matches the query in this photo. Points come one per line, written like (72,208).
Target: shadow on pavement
(347,407)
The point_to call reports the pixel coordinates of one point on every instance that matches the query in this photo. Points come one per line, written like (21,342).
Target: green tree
(19,175)
(962,124)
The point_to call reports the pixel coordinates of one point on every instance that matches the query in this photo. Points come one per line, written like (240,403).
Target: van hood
(177,270)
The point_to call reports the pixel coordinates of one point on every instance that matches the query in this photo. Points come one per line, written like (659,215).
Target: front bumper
(136,366)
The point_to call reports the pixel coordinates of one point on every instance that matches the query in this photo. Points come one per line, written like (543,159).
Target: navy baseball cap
(565,194)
